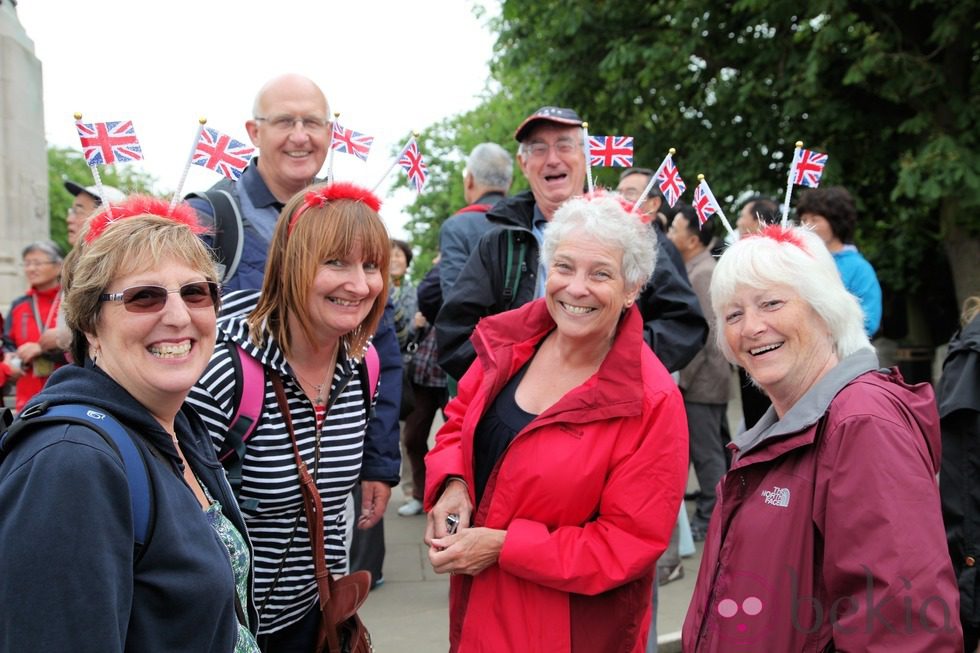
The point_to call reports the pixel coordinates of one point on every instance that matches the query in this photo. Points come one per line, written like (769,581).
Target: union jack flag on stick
(806,170)
(609,151)
(706,205)
(411,161)
(105,143)
(221,153)
(671,184)
(348,141)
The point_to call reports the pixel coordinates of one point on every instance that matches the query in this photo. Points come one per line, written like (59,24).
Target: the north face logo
(777,496)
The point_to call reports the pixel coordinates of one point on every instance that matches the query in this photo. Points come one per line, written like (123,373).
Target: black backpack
(229,229)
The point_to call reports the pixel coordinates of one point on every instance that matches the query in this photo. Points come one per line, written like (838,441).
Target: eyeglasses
(150,299)
(27,265)
(287,123)
(540,150)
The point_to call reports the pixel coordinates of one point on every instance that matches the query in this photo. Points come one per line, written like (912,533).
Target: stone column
(23,152)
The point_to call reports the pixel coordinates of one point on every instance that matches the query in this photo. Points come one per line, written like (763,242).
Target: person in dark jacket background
(141,300)
(551,157)
(827,531)
(959,414)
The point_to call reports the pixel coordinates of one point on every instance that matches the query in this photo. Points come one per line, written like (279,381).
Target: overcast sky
(388,67)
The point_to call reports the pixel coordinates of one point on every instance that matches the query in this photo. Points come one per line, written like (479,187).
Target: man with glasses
(552,158)
(291,128)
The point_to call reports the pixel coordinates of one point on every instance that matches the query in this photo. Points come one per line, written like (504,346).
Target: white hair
(797,258)
(604,218)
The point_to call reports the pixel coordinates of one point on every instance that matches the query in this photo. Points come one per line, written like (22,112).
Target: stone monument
(23,152)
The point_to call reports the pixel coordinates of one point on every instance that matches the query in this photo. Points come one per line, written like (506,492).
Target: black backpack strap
(515,266)
(229,229)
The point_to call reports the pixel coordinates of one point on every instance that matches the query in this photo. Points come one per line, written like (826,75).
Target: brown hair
(321,233)
(126,246)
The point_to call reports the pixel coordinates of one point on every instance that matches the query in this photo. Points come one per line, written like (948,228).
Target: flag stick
(395,162)
(653,180)
(336,115)
(187,166)
(588,155)
(98,178)
(789,184)
(721,211)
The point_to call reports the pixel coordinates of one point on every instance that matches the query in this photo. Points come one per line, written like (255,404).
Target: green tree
(66,163)
(887,88)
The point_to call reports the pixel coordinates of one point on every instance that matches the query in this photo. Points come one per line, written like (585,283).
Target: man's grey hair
(491,166)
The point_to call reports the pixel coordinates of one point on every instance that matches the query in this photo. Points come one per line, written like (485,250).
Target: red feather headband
(340,190)
(136,206)
(627,206)
(780,234)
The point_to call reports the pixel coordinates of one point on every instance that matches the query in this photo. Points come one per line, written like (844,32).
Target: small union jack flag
(671,184)
(611,151)
(808,168)
(705,203)
(221,153)
(349,141)
(411,161)
(105,143)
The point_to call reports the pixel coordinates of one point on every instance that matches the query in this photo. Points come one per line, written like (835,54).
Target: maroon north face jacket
(827,534)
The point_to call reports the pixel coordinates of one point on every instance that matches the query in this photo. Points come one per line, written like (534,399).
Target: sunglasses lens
(199,295)
(144,299)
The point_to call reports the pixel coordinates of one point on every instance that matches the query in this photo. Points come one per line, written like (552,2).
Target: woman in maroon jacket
(827,533)
(564,456)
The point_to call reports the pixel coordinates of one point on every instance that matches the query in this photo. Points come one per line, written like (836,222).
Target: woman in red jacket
(31,315)
(564,457)
(827,533)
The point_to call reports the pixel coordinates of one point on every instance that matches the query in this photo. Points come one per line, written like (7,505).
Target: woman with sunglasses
(323,295)
(89,561)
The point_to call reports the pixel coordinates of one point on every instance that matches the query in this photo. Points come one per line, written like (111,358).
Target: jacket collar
(504,342)
(811,406)
(516,210)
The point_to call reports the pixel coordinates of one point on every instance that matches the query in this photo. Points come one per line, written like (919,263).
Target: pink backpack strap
(246,417)
(373,364)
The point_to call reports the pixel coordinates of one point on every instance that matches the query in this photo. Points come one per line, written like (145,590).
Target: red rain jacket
(588,493)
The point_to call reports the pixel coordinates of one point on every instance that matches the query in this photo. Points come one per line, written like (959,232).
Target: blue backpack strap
(247,402)
(119,439)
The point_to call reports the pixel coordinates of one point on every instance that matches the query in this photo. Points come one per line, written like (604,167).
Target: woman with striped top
(324,292)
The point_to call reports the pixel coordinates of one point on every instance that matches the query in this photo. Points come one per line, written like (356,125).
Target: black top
(502,421)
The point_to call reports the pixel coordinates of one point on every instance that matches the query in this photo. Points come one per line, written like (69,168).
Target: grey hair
(798,259)
(491,166)
(48,247)
(604,218)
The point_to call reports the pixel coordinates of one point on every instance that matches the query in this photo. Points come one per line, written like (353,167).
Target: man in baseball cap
(86,202)
(552,157)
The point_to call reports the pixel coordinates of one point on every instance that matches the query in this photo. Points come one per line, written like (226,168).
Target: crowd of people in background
(577,351)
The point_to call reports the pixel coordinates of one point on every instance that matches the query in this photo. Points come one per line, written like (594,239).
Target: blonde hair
(319,234)
(126,246)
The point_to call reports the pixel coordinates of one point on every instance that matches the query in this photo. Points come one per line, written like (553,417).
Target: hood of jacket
(957,387)
(91,386)
(917,400)
(506,341)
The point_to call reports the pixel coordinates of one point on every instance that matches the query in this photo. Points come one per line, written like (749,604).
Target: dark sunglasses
(150,299)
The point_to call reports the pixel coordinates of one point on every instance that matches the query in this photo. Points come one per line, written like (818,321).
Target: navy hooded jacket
(72,578)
